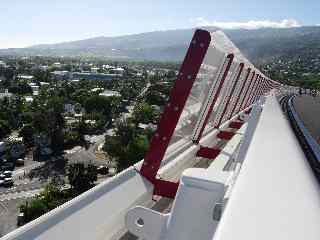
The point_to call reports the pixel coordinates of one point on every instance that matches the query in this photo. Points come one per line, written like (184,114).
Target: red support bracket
(236,125)
(172,112)
(225,135)
(165,188)
(207,152)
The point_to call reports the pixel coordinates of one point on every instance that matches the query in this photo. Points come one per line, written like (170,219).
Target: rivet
(201,45)
(194,42)
(168,104)
(156,135)
(189,77)
(176,108)
(164,138)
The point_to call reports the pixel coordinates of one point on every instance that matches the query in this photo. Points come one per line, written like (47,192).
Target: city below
(207,133)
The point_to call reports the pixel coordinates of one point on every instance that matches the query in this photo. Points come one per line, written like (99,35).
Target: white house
(5,94)
(110,93)
(2,147)
(28,99)
(25,77)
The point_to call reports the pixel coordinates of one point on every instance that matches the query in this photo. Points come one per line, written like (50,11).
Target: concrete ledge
(276,195)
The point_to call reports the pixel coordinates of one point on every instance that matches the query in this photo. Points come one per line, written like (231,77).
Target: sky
(29,22)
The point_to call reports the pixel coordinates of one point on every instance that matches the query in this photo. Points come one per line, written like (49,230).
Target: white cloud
(252,24)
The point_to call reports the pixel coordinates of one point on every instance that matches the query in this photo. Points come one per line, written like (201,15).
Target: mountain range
(259,45)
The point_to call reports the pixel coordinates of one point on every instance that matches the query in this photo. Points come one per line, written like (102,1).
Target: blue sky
(28,22)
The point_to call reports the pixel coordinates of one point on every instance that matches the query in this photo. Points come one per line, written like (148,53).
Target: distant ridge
(258,45)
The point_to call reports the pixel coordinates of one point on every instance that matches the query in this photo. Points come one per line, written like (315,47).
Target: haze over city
(26,23)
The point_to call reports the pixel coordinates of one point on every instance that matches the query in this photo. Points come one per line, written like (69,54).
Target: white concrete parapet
(186,221)
(198,204)
(96,214)
(276,195)
(101,210)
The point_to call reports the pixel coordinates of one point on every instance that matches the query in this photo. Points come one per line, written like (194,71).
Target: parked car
(8,182)
(3,146)
(8,166)
(103,170)
(2,176)
(1,183)
(7,173)
(20,219)
(20,162)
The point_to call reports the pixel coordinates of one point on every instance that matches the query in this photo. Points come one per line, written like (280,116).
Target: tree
(81,178)
(56,123)
(143,113)
(27,117)
(154,97)
(27,132)
(22,88)
(129,153)
(125,131)
(100,124)
(8,76)
(33,210)
(113,147)
(4,128)
(108,106)
(135,151)
(51,197)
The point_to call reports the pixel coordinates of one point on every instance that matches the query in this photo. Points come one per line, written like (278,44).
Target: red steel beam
(241,65)
(247,91)
(255,91)
(212,104)
(170,117)
(251,91)
(239,95)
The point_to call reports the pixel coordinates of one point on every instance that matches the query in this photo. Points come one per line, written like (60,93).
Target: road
(23,172)
(22,185)
(308,109)
(24,188)
(9,211)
